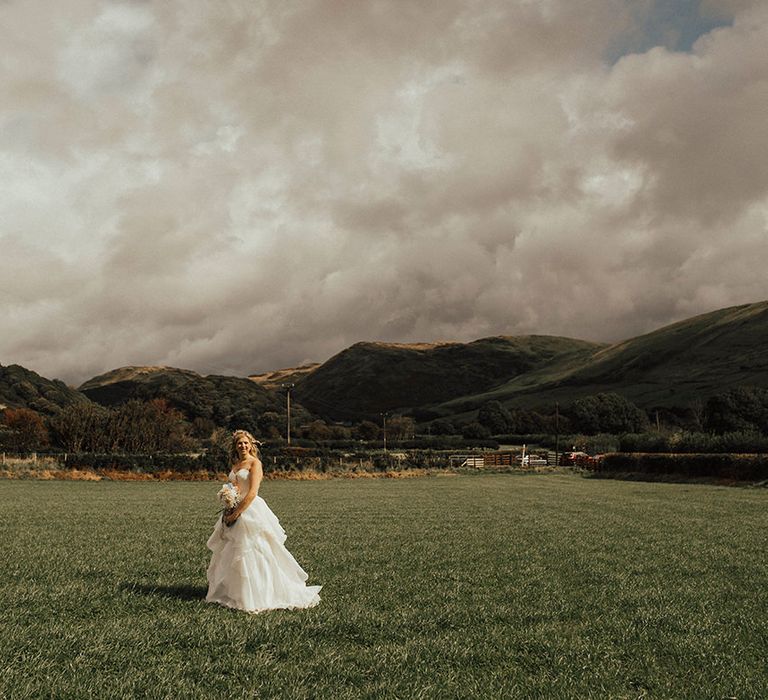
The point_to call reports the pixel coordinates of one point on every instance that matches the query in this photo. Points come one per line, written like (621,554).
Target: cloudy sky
(243,185)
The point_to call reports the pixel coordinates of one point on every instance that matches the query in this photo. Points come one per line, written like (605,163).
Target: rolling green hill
(671,367)
(698,356)
(227,401)
(369,378)
(23,388)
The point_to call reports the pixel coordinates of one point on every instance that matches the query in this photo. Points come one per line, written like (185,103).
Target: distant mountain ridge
(673,366)
(278,378)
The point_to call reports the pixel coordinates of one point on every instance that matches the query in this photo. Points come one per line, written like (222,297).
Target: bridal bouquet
(229,497)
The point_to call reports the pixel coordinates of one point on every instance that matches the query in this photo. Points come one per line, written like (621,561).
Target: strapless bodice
(241,476)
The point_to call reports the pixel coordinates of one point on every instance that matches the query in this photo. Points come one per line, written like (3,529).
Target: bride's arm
(257,473)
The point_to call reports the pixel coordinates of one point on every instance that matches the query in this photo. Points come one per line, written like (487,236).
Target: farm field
(476,586)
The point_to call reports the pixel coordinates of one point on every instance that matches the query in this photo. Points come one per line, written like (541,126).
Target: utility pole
(288,388)
(557,434)
(384,421)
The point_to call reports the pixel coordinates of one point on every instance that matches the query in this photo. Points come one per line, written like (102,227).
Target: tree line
(741,409)
(153,426)
(135,427)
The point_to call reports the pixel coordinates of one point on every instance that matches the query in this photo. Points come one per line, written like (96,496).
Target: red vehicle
(578,459)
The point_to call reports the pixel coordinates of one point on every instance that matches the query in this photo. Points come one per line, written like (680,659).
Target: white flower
(228,496)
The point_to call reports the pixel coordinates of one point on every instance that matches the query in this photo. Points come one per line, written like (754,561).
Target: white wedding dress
(250,568)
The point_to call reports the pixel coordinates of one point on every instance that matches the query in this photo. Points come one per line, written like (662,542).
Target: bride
(250,568)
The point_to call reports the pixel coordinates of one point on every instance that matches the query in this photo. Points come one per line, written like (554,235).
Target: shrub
(743,408)
(81,427)
(495,417)
(441,426)
(607,413)
(400,427)
(601,443)
(475,431)
(741,441)
(26,430)
(367,430)
(643,442)
(148,427)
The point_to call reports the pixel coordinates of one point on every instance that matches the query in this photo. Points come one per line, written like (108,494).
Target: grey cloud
(238,188)
(697,122)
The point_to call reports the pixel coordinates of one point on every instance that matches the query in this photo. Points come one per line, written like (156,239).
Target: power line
(357,415)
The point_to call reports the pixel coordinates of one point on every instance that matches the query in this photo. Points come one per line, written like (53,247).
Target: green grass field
(491,586)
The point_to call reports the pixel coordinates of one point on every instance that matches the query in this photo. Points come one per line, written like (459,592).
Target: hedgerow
(692,442)
(736,467)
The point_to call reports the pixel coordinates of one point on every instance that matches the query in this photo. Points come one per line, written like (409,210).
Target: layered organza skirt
(250,567)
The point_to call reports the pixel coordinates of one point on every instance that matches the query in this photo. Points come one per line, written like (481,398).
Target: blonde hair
(253,450)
